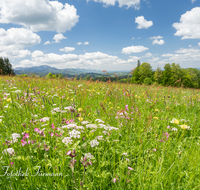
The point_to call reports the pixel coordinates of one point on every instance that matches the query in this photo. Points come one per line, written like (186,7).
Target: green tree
(176,75)
(60,76)
(6,66)
(158,75)
(49,75)
(167,73)
(145,71)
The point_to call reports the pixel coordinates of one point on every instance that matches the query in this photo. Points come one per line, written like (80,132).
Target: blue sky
(100,34)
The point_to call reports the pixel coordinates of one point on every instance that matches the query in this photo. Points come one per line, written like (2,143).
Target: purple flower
(114,180)
(126,107)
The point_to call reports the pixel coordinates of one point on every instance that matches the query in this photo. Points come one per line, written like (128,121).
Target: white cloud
(67,49)
(186,57)
(147,55)
(59,37)
(157,40)
(14,40)
(199,44)
(132,38)
(134,49)
(153,60)
(133,59)
(86,43)
(142,23)
(167,55)
(189,25)
(190,46)
(39,15)
(47,42)
(128,3)
(97,60)
(193,1)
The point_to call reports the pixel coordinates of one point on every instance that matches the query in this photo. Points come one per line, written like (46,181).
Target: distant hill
(45,69)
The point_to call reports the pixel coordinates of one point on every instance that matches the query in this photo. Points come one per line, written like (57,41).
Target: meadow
(64,134)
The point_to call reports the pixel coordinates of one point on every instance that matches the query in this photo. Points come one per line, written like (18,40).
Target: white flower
(67,140)
(1,116)
(101,125)
(69,126)
(174,129)
(99,137)
(89,155)
(104,132)
(125,154)
(99,120)
(92,126)
(84,122)
(74,133)
(174,120)
(15,136)
(45,119)
(94,143)
(79,127)
(68,108)
(8,150)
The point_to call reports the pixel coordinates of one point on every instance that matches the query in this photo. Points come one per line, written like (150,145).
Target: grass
(146,137)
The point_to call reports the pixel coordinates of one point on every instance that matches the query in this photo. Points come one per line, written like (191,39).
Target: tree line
(172,75)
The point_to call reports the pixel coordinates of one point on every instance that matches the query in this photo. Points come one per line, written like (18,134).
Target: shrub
(147,81)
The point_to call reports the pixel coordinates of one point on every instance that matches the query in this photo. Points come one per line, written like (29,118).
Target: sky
(107,35)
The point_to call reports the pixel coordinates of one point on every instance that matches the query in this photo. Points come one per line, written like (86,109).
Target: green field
(64,134)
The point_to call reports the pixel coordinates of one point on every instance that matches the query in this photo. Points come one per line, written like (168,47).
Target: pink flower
(11,163)
(168,127)
(126,107)
(154,149)
(26,136)
(47,149)
(52,125)
(69,152)
(114,180)
(52,134)
(36,129)
(130,168)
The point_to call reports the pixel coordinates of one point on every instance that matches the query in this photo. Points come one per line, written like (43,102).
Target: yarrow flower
(67,140)
(174,129)
(74,133)
(94,143)
(9,150)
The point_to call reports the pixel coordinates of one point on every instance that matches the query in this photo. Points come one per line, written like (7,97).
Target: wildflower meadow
(76,134)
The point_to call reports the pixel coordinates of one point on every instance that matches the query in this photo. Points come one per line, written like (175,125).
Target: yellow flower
(136,96)
(111,108)
(156,109)
(67,98)
(88,114)
(71,99)
(184,126)
(80,109)
(60,97)
(80,119)
(110,103)
(155,117)
(119,107)
(8,100)
(176,121)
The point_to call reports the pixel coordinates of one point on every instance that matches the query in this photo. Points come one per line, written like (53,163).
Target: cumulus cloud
(47,42)
(39,15)
(199,44)
(157,40)
(67,49)
(189,25)
(85,43)
(142,23)
(167,55)
(14,40)
(97,60)
(128,3)
(134,49)
(148,55)
(184,56)
(59,37)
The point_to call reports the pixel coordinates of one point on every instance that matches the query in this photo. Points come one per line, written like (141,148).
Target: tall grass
(59,134)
